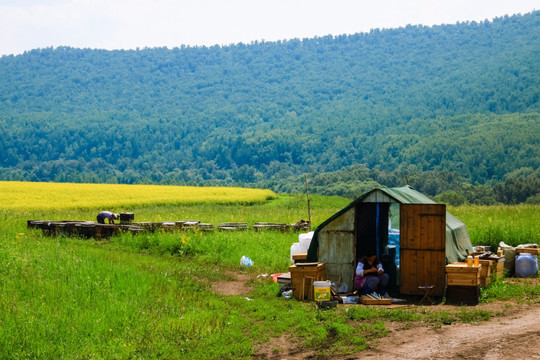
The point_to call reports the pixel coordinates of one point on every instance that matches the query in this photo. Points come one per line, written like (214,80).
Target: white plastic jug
(295,249)
(305,240)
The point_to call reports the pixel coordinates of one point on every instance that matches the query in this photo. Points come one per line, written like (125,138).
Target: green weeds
(527,291)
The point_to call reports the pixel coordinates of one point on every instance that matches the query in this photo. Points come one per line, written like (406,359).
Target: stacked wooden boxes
(485,272)
(463,283)
(491,267)
(302,277)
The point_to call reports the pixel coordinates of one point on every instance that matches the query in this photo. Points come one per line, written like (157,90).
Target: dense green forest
(453,109)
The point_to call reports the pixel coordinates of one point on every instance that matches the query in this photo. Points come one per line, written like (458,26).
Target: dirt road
(515,335)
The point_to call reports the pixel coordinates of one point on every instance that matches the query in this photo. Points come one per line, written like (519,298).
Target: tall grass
(489,225)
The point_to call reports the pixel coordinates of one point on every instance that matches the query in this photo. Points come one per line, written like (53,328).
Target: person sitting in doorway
(370,276)
(107,215)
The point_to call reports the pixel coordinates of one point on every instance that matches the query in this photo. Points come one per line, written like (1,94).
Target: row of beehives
(90,229)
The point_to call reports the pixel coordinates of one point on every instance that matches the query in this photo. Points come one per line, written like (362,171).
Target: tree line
(453,99)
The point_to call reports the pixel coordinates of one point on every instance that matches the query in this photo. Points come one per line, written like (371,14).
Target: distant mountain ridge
(462,98)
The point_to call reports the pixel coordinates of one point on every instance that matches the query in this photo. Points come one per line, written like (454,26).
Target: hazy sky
(127,24)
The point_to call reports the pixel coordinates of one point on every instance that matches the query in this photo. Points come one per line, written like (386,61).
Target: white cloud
(113,24)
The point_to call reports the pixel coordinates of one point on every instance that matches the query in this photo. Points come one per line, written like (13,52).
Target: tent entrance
(372,232)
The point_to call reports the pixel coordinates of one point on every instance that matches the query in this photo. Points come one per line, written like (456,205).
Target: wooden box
(485,271)
(499,270)
(496,268)
(533,251)
(370,300)
(126,217)
(302,277)
(462,275)
(299,257)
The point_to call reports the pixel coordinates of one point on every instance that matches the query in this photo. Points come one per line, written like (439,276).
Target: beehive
(302,277)
(462,275)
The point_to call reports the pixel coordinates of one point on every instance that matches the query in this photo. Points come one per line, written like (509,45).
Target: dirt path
(512,336)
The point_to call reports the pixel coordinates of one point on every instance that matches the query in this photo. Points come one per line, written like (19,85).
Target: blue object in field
(526,265)
(393,239)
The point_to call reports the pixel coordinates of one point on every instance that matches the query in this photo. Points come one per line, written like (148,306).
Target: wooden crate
(459,274)
(299,257)
(500,268)
(127,217)
(496,269)
(308,271)
(485,271)
(533,251)
(367,300)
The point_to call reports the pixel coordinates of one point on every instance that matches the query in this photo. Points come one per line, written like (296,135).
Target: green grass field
(150,296)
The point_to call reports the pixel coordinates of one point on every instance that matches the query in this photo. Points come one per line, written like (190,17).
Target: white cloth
(360,268)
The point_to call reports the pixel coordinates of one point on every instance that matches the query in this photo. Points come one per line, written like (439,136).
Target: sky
(131,24)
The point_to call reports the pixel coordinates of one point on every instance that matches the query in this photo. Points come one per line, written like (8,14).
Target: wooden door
(422,248)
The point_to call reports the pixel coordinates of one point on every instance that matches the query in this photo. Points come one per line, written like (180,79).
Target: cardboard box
(459,274)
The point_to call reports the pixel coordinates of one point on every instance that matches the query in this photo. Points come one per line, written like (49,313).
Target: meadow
(150,296)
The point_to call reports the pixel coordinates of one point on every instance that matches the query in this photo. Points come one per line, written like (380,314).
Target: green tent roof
(457,236)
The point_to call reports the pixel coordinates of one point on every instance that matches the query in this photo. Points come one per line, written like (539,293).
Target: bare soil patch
(237,284)
(514,335)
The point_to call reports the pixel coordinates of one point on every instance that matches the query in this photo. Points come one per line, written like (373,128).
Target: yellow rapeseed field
(42,196)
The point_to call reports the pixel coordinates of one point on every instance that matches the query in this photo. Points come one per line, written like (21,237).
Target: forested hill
(460,99)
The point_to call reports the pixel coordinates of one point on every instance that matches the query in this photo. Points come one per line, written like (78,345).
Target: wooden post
(308,205)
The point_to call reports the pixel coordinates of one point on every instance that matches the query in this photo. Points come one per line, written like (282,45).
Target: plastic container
(322,290)
(526,265)
(470,260)
(476,261)
(305,240)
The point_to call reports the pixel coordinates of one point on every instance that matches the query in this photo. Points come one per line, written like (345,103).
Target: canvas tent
(414,236)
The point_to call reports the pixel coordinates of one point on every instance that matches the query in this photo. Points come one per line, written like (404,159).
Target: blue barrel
(526,265)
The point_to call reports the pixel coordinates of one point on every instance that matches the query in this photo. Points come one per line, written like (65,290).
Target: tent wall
(337,247)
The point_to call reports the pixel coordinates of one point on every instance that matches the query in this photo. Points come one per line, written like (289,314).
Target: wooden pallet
(374,300)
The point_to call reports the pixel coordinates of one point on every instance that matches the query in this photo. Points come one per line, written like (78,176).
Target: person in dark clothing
(370,276)
(107,215)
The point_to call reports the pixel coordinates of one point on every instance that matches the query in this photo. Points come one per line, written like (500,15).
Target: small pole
(308,205)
